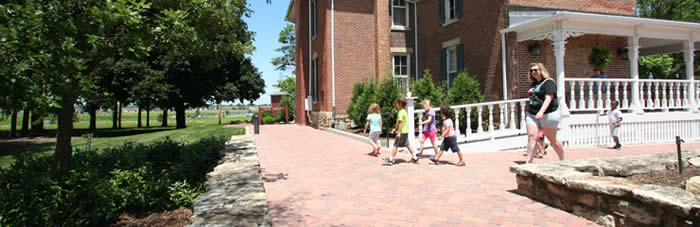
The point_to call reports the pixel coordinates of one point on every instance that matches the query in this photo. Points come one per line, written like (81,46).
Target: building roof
(656,36)
(279,93)
(291,16)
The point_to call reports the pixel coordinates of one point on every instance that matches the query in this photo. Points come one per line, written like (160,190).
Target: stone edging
(597,190)
(235,195)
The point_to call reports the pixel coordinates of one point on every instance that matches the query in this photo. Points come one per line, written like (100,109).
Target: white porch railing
(596,94)
(495,119)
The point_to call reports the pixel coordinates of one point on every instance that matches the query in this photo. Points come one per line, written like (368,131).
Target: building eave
(291,16)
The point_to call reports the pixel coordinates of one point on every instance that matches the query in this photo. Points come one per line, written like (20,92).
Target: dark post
(678,150)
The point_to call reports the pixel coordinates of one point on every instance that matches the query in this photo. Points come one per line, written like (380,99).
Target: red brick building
(341,42)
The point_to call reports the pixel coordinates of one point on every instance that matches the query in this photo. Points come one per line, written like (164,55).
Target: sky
(267,21)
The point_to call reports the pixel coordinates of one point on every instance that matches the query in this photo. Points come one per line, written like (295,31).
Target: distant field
(197,127)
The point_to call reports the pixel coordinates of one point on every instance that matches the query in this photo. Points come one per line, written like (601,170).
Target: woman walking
(543,111)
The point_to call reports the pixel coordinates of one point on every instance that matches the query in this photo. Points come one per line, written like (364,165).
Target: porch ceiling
(656,36)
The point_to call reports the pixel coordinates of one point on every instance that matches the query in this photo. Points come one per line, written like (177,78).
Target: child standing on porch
(615,118)
(374,121)
(448,137)
(429,129)
(401,131)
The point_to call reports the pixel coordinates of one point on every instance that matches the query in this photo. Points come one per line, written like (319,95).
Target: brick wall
(302,56)
(354,48)
(575,59)
(478,29)
(622,7)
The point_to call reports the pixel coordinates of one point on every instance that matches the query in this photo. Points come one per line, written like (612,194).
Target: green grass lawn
(105,136)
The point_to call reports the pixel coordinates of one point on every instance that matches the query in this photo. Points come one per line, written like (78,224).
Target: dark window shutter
(460,58)
(443,65)
(441,11)
(458,8)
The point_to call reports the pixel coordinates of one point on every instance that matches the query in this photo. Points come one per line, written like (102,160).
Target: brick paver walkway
(316,178)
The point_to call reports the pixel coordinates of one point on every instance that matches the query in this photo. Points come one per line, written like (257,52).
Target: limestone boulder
(693,185)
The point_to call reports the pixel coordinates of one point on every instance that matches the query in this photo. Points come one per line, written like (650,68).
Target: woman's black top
(538,91)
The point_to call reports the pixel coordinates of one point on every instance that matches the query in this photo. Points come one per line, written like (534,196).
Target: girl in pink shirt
(449,136)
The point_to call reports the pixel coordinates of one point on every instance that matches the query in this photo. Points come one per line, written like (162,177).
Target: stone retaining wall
(235,195)
(597,190)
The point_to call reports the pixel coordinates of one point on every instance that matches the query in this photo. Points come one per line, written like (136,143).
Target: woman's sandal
(461,164)
(538,155)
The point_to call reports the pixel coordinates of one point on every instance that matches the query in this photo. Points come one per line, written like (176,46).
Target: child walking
(450,138)
(374,121)
(402,134)
(615,118)
(429,129)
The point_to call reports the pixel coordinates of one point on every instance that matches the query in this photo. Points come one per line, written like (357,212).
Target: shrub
(425,88)
(384,94)
(465,90)
(269,118)
(363,94)
(132,178)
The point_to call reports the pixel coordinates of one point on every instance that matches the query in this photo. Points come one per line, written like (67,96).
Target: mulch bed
(667,177)
(177,218)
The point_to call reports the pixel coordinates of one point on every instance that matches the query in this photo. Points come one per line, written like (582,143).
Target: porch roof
(655,36)
(291,16)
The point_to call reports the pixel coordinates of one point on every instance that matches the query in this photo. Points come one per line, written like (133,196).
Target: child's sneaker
(435,162)
(414,161)
(388,162)
(618,147)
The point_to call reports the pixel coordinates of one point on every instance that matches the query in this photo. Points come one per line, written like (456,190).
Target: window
(314,80)
(399,11)
(451,65)
(451,62)
(314,18)
(401,63)
(449,10)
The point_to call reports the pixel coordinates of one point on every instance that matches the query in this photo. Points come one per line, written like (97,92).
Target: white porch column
(690,72)
(559,43)
(411,110)
(633,47)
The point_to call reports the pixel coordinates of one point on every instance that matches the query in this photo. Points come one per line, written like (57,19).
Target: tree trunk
(65,129)
(219,112)
(114,115)
(37,123)
(165,118)
(93,119)
(120,114)
(138,124)
(25,122)
(13,124)
(180,115)
(148,118)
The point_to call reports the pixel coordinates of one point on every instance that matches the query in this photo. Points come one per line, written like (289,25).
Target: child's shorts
(449,142)
(615,130)
(402,141)
(374,136)
(430,135)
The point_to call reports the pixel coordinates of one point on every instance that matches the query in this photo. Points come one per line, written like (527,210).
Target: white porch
(654,111)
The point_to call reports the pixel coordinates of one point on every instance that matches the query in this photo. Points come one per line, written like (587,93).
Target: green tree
(288,50)
(425,88)
(659,66)
(289,85)
(679,10)
(465,90)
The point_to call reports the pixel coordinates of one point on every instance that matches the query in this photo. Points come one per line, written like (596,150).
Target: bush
(269,118)
(133,178)
(465,90)
(363,95)
(384,94)
(425,88)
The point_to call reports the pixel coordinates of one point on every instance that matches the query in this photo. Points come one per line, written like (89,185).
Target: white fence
(497,119)
(667,105)
(596,94)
